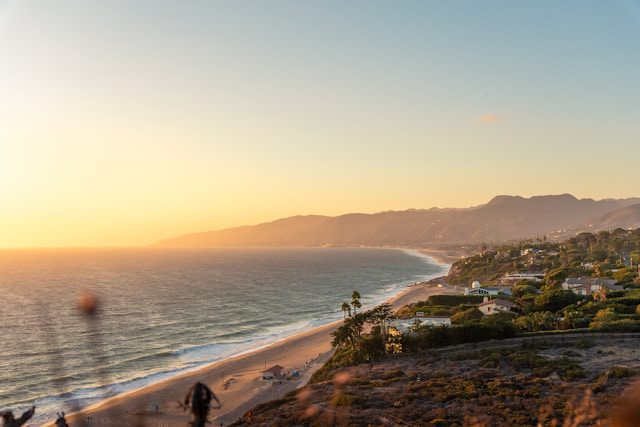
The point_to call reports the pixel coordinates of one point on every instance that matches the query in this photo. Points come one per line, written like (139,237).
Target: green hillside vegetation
(605,254)
(539,307)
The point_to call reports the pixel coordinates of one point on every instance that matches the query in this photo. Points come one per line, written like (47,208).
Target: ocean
(165,311)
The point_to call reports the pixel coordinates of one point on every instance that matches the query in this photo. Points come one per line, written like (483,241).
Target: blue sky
(208,114)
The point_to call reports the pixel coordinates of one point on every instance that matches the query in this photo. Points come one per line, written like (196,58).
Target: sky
(122,123)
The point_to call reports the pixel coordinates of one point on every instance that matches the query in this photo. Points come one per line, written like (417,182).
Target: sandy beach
(236,381)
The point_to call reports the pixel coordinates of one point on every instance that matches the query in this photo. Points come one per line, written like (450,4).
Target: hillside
(547,385)
(626,217)
(502,219)
(604,253)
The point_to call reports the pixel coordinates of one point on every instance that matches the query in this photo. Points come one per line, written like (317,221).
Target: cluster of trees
(487,328)
(350,339)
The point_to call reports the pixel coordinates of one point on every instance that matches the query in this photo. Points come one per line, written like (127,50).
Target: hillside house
(410,324)
(478,290)
(273,372)
(512,279)
(494,306)
(590,285)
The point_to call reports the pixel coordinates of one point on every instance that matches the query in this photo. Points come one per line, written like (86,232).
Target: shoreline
(235,379)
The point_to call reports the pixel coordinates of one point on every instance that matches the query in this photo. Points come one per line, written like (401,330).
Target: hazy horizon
(151,244)
(124,123)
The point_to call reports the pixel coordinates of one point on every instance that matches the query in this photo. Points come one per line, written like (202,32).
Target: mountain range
(503,218)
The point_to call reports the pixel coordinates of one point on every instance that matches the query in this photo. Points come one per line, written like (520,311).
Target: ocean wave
(157,345)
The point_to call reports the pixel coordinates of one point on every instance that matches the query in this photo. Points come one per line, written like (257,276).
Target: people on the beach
(61,421)
(9,420)
(199,397)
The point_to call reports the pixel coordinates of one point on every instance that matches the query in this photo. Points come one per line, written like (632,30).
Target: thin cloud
(490,118)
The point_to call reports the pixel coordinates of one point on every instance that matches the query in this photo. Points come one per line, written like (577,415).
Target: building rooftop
(499,302)
(275,369)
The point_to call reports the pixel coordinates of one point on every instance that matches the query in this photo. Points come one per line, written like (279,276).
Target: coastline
(235,379)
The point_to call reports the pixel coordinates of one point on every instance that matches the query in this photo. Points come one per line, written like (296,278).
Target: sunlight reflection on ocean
(166,311)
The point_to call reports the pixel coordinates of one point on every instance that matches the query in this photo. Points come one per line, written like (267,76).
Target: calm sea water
(166,311)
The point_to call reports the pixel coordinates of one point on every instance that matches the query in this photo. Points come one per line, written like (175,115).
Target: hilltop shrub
(620,372)
(622,308)
(626,275)
(521,290)
(441,336)
(631,300)
(538,321)
(555,300)
(624,325)
(505,317)
(466,316)
(615,294)
(605,315)
(453,300)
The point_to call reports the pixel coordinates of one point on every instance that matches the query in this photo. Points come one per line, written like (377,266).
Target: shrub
(605,315)
(467,315)
(622,308)
(555,300)
(620,372)
(430,337)
(453,300)
(624,325)
(615,294)
(520,290)
(342,399)
(628,300)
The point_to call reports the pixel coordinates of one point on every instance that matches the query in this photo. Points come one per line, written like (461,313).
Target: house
(512,279)
(494,306)
(273,372)
(409,325)
(590,285)
(533,251)
(477,289)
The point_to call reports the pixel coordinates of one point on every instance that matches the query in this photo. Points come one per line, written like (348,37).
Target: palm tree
(355,301)
(346,308)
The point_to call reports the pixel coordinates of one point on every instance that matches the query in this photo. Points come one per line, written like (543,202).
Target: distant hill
(503,218)
(626,217)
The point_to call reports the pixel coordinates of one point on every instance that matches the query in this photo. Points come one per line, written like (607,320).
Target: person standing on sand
(200,396)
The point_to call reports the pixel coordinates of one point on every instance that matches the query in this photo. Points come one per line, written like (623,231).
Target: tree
(355,301)
(350,333)
(544,320)
(555,300)
(346,309)
(525,324)
(522,288)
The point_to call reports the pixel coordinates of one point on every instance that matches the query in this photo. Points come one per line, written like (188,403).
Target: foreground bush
(433,337)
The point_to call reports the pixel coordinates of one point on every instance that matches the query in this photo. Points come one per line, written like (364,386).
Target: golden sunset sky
(122,123)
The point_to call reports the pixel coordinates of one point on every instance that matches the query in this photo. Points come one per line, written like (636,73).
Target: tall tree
(355,301)
(346,309)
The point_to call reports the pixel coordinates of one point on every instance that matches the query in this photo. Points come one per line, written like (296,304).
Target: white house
(489,307)
(409,325)
(478,289)
(513,278)
(589,285)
